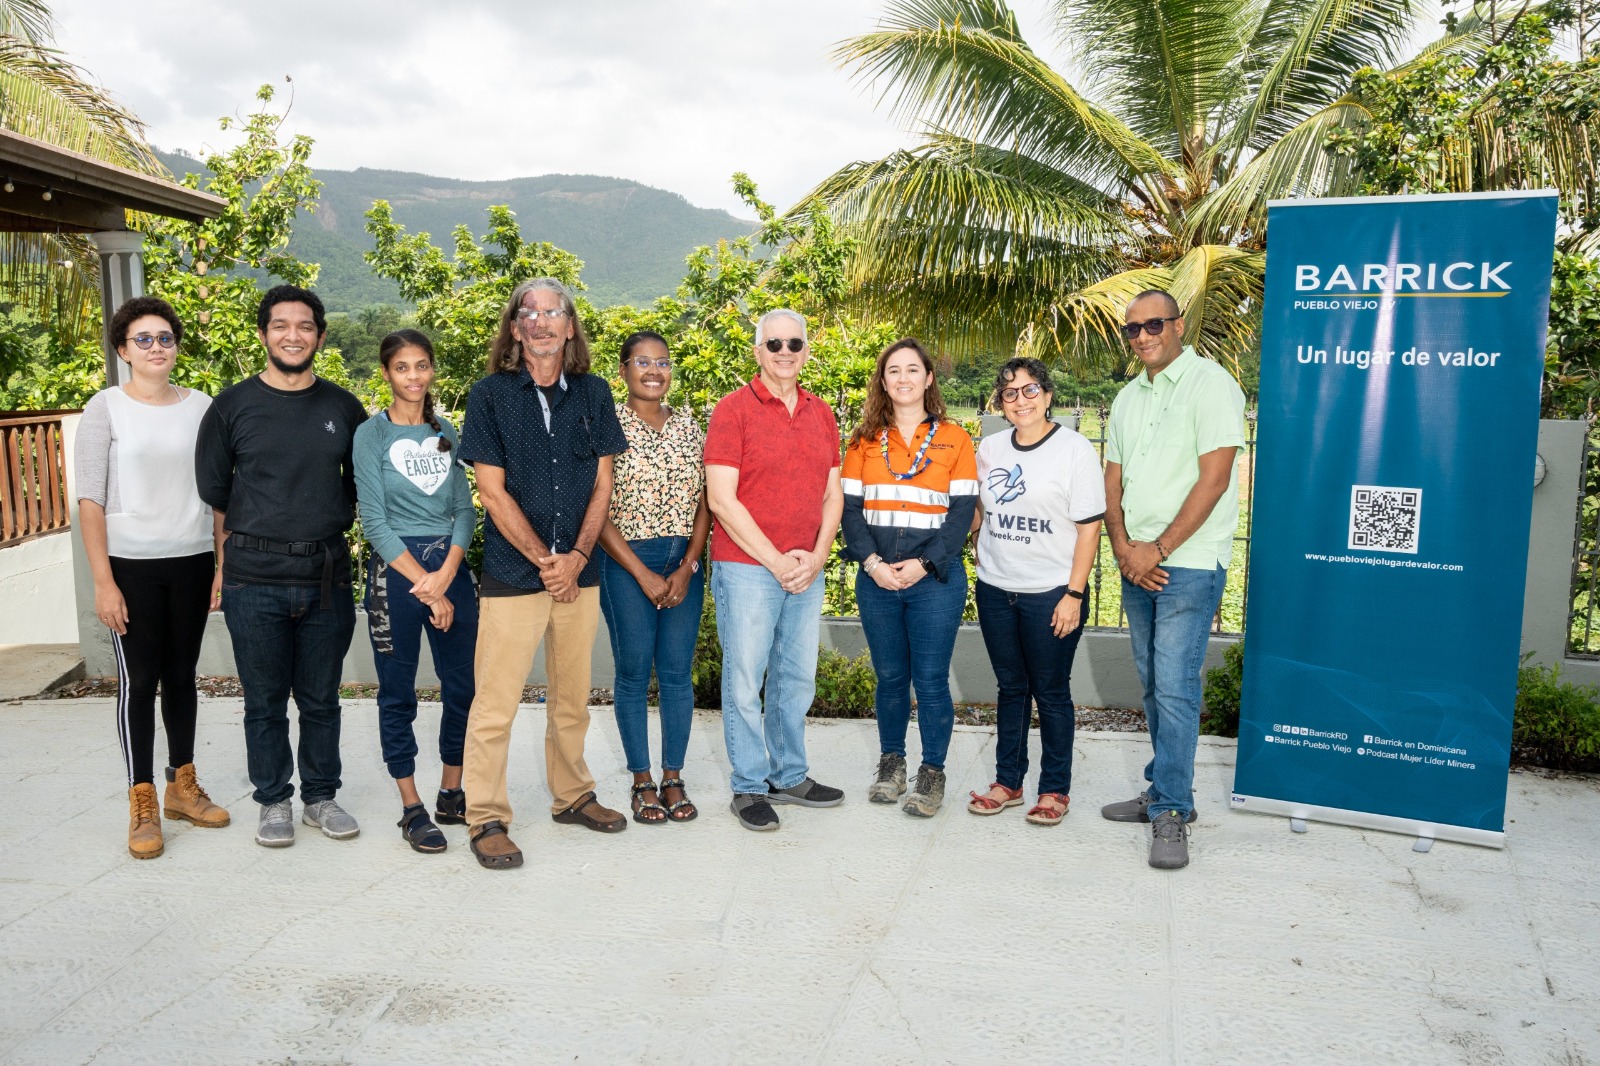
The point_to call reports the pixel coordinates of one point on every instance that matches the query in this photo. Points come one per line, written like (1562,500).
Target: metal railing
(33,476)
(1583,632)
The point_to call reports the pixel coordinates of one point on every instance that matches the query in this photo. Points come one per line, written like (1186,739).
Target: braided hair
(411,338)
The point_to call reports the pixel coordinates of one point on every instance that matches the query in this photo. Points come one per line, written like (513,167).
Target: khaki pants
(510,629)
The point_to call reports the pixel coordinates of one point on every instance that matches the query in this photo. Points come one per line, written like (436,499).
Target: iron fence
(1583,634)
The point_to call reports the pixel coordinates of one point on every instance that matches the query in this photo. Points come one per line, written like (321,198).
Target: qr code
(1384,518)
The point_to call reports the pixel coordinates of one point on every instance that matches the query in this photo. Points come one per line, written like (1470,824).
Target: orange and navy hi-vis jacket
(926,516)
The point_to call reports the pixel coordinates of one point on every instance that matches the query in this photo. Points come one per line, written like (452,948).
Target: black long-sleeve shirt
(279,465)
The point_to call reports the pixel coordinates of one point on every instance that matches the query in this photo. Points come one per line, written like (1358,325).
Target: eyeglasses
(145,340)
(1030,390)
(774,345)
(532,314)
(644,362)
(1152,326)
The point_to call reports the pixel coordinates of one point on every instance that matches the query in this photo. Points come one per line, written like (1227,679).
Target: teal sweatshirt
(408,488)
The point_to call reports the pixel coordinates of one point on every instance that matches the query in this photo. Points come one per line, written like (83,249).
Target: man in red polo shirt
(772,480)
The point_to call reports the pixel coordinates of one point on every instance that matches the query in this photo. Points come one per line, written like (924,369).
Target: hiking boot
(185,799)
(144,827)
(1135,810)
(754,812)
(927,794)
(891,781)
(1169,842)
(276,828)
(331,818)
(451,807)
(807,794)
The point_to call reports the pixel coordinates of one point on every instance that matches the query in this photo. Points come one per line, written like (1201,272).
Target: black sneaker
(754,812)
(807,794)
(451,807)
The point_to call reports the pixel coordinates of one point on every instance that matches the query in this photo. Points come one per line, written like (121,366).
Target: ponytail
(411,338)
(428,417)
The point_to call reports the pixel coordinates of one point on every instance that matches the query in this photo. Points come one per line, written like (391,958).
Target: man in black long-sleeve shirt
(274,458)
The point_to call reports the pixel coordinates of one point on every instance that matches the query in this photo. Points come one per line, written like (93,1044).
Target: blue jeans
(396,621)
(1170,629)
(911,634)
(768,635)
(283,642)
(644,636)
(1031,665)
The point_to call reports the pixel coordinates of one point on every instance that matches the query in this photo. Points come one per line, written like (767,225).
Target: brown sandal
(494,849)
(588,812)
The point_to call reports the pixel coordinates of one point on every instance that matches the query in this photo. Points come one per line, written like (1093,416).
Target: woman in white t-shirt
(151,543)
(1041,500)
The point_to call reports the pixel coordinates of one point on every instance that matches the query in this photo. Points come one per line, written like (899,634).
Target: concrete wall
(1103,674)
(36,589)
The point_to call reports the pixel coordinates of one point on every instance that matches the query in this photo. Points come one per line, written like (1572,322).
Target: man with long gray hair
(540,432)
(772,481)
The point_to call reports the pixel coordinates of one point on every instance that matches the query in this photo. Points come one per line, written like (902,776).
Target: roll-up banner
(1402,347)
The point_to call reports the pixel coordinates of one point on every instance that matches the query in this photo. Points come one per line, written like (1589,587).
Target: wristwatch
(1075,594)
(928,567)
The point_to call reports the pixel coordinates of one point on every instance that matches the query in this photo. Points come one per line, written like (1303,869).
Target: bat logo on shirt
(1006,485)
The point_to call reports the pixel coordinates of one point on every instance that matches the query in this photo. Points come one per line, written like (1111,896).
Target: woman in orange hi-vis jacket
(910,488)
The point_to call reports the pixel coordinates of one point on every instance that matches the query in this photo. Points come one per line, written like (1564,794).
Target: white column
(121,278)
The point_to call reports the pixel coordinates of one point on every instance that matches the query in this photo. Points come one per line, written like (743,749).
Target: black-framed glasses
(145,340)
(644,362)
(1152,326)
(1030,390)
(775,345)
(532,314)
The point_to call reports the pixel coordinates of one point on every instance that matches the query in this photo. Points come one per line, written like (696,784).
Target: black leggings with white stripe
(167,601)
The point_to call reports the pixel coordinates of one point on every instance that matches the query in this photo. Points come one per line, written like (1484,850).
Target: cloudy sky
(675,94)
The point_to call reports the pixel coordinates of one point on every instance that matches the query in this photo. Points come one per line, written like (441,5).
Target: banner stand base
(1425,832)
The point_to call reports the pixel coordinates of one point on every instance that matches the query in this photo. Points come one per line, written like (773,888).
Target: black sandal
(640,806)
(674,808)
(419,830)
(495,861)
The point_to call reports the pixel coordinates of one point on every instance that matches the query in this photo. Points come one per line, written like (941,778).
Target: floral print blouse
(657,481)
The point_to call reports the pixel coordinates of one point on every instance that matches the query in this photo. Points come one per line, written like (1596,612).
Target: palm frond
(55,277)
(46,97)
(961,66)
(28,19)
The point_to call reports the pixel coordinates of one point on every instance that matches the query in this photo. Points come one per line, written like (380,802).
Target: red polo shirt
(783,462)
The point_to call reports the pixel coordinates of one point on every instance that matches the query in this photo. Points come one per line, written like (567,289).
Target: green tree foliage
(198,266)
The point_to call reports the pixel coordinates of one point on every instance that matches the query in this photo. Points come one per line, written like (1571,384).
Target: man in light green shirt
(1172,503)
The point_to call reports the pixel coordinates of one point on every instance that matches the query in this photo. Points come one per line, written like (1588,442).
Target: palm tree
(1035,207)
(45,96)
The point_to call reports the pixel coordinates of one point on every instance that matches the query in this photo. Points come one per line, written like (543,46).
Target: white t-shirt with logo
(1033,496)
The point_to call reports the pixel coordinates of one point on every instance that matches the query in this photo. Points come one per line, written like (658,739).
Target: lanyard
(917,464)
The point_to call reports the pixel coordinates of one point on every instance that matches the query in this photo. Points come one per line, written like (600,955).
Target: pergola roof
(85,195)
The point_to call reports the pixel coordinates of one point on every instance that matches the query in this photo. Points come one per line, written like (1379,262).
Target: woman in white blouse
(152,548)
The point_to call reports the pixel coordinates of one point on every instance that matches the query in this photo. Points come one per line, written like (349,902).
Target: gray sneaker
(276,828)
(331,818)
(807,794)
(1135,810)
(1169,842)
(928,794)
(754,812)
(891,781)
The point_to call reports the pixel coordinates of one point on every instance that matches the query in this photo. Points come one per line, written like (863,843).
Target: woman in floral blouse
(651,587)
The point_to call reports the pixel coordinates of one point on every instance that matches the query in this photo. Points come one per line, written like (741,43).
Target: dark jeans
(911,634)
(396,621)
(284,642)
(1031,664)
(642,637)
(167,601)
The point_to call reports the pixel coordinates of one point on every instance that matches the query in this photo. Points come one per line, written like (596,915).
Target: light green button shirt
(1158,431)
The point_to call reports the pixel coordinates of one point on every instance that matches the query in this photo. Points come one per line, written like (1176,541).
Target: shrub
(1557,723)
(1219,713)
(845,686)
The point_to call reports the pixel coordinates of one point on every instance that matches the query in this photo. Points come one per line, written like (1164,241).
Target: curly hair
(1034,368)
(136,308)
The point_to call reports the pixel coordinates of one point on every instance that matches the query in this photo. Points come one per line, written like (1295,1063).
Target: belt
(302,548)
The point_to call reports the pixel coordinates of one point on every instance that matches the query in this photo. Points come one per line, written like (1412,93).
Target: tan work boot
(144,827)
(187,800)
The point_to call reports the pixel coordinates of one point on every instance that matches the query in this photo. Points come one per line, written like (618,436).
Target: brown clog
(494,848)
(588,812)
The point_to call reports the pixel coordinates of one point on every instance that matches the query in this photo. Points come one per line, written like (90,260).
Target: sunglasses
(1030,390)
(774,345)
(145,340)
(645,363)
(1152,326)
